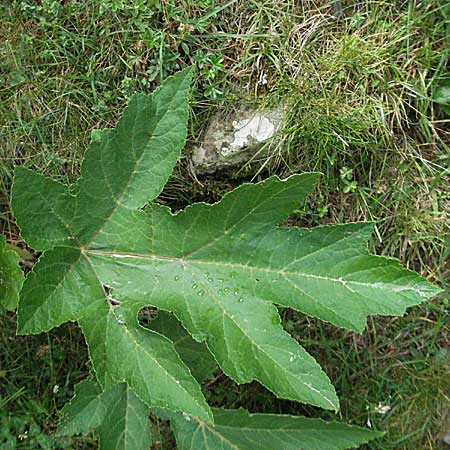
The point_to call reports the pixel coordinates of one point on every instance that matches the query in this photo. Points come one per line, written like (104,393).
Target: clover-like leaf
(11,277)
(119,417)
(221,269)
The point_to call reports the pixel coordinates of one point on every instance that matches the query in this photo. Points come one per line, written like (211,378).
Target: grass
(357,93)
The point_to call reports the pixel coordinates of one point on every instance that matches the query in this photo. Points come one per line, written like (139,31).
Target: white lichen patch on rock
(233,138)
(258,128)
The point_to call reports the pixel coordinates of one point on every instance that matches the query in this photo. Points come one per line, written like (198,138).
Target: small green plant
(11,277)
(210,67)
(214,273)
(348,184)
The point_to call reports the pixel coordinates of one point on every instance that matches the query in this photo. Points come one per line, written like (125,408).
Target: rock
(233,138)
(445,437)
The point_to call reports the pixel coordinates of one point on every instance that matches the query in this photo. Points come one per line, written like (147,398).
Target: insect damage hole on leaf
(147,315)
(109,296)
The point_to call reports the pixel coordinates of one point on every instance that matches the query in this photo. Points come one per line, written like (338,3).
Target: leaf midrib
(217,426)
(281,272)
(118,201)
(203,425)
(216,430)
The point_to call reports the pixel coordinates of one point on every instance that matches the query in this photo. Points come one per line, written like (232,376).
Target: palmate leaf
(119,417)
(220,269)
(11,277)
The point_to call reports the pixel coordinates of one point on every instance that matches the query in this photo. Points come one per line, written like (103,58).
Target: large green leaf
(193,353)
(122,169)
(220,269)
(121,421)
(11,277)
(119,417)
(239,430)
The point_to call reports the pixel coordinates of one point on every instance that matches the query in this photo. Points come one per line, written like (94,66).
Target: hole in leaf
(108,290)
(147,315)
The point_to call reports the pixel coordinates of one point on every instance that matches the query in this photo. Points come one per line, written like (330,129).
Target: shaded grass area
(357,92)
